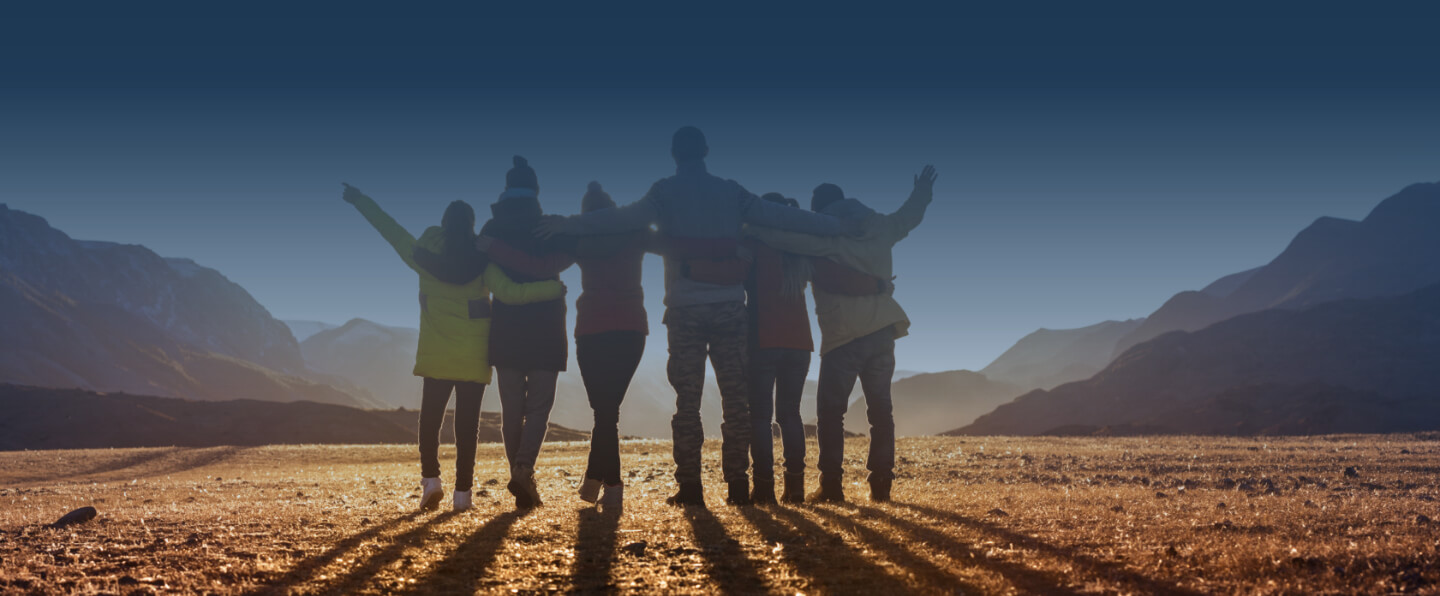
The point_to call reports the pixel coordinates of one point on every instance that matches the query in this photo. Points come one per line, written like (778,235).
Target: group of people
(736,269)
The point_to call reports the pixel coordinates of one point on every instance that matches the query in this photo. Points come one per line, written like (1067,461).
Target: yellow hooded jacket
(454,320)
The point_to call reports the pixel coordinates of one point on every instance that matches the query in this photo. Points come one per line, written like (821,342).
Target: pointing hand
(351,194)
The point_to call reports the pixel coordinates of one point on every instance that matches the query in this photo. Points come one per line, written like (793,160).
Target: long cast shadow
(817,565)
(1139,582)
(468,564)
(924,570)
(307,568)
(595,551)
(356,578)
(732,571)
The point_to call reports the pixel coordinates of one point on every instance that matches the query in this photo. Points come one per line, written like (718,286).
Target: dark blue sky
(1091,164)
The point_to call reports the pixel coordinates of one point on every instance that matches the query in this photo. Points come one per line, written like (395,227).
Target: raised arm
(511,292)
(898,225)
(549,265)
(399,239)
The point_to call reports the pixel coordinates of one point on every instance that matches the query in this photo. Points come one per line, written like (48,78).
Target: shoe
(614,499)
(462,500)
(794,489)
(830,491)
(431,493)
(590,490)
(739,493)
(522,485)
(689,495)
(880,489)
(764,493)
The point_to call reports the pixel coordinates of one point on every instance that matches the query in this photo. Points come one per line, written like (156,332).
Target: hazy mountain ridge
(1346,366)
(1392,251)
(106,316)
(1051,357)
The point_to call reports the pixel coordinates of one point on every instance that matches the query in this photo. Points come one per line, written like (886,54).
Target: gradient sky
(1091,164)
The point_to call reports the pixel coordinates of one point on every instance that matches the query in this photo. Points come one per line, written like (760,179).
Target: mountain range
(1317,340)
(116,317)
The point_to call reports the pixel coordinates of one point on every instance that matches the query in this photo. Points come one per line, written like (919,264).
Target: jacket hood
(849,209)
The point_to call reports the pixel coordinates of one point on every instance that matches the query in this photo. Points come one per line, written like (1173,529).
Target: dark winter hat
(595,198)
(521,176)
(688,143)
(825,194)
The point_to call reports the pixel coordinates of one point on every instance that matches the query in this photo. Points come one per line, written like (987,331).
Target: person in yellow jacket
(454,338)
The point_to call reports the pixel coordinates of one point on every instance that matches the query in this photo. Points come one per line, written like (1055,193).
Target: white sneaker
(614,499)
(433,491)
(590,490)
(462,500)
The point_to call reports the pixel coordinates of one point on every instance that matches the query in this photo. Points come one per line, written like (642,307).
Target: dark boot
(794,489)
(880,489)
(690,495)
(831,491)
(764,493)
(522,499)
(740,492)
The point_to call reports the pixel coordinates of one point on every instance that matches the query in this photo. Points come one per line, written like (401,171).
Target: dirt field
(972,515)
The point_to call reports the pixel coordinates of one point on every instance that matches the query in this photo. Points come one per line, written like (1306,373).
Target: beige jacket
(844,319)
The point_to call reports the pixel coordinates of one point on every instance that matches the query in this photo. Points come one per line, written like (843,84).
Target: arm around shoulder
(511,292)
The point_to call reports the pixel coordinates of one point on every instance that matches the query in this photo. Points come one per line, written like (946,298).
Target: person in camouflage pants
(719,330)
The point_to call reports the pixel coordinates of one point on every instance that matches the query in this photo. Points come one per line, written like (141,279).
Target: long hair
(796,269)
(458,223)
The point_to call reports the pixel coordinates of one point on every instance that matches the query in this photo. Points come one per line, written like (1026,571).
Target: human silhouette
(858,333)
(454,336)
(699,217)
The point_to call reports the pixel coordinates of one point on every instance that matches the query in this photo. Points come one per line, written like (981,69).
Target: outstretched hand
(926,179)
(351,194)
(550,226)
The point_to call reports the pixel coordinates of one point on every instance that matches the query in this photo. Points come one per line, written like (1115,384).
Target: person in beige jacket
(858,333)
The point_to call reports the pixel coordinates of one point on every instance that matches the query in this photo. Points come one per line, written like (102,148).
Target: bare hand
(888,286)
(925,181)
(550,227)
(351,194)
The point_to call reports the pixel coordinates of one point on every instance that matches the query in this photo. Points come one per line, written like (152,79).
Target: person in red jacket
(780,347)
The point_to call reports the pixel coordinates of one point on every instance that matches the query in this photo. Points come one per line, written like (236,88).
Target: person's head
(774,197)
(521,176)
(688,144)
(458,223)
(824,196)
(595,198)
(792,202)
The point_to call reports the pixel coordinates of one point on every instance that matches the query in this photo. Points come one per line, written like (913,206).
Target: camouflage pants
(718,331)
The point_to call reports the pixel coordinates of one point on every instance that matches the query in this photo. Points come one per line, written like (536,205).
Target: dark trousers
(433,399)
(872,360)
(607,363)
(777,380)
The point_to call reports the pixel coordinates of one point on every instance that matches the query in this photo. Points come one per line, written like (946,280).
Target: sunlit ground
(974,515)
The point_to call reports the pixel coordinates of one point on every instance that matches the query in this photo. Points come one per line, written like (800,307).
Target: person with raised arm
(453,353)
(858,333)
(698,217)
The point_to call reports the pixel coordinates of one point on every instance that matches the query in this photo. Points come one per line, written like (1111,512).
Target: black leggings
(607,363)
(433,399)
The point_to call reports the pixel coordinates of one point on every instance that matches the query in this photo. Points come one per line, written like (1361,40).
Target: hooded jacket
(844,319)
(454,319)
(526,336)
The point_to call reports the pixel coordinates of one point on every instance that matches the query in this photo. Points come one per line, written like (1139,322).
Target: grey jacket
(695,204)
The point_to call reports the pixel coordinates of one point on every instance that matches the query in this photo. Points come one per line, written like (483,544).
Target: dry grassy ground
(974,515)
